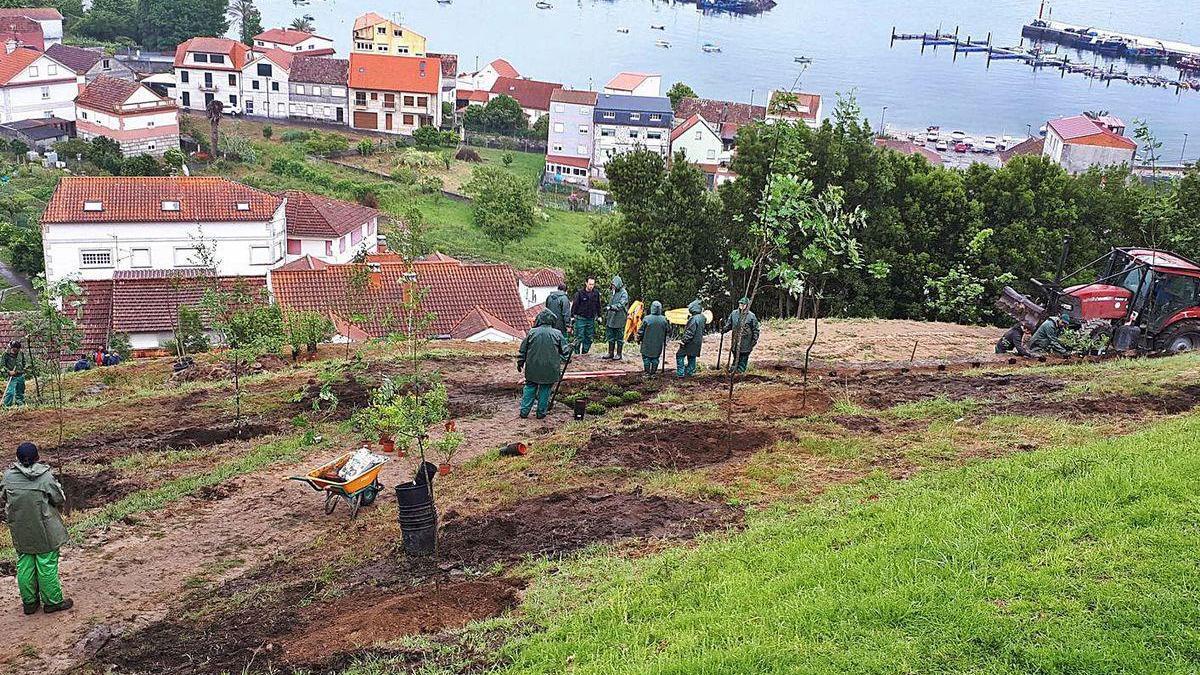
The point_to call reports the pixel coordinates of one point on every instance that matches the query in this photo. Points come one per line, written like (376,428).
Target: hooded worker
(543,351)
(560,304)
(652,334)
(745,329)
(1045,338)
(616,313)
(691,342)
(1013,342)
(14,369)
(32,500)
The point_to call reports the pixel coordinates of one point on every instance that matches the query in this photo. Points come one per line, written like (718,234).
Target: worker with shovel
(652,334)
(745,329)
(543,351)
(15,365)
(32,500)
(691,341)
(616,315)
(1045,338)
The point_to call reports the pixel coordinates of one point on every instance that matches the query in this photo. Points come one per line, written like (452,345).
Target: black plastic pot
(417,513)
(580,408)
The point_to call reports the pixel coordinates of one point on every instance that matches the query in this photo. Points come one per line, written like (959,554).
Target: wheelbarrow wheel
(369,495)
(355,503)
(330,502)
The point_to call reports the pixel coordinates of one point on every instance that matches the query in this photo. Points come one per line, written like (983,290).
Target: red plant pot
(387,444)
(443,469)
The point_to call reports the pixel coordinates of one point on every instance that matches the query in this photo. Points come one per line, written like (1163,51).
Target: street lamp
(1183,150)
(1029,130)
(882,116)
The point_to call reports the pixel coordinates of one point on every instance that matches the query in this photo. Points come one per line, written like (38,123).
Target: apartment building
(394,94)
(374,34)
(208,68)
(624,123)
(317,89)
(572,130)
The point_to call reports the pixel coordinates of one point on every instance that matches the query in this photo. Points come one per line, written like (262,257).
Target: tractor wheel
(1181,337)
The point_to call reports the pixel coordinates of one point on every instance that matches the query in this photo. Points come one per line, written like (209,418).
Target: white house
(208,68)
(49,18)
(699,142)
(130,113)
(33,85)
(265,90)
(1080,143)
(297,41)
(635,84)
(328,229)
(536,285)
(94,227)
(485,78)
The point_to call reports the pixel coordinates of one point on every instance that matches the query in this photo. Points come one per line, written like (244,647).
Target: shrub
(431,185)
(120,343)
(427,138)
(323,145)
(405,175)
(365,147)
(237,147)
(631,396)
(294,136)
(596,409)
(507,159)
(611,401)
(467,155)
(449,139)
(267,132)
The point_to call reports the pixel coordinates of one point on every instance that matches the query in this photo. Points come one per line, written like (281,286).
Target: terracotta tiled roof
(532,312)
(688,124)
(1029,146)
(478,96)
(627,81)
(310,215)
(438,257)
(235,50)
(1082,130)
(368,19)
(478,320)
(532,94)
(109,93)
(77,59)
(125,199)
(320,70)
(305,263)
(504,68)
(149,300)
(907,148)
(25,31)
(35,13)
(12,64)
(279,57)
(543,277)
(449,64)
(574,96)
(453,291)
(577,162)
(808,106)
(286,36)
(419,74)
(721,111)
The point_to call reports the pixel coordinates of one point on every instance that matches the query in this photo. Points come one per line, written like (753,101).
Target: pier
(1109,42)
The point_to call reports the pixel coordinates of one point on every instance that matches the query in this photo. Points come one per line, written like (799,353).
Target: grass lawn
(1078,559)
(15,301)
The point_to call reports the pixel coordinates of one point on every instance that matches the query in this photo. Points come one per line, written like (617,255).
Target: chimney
(375,274)
(10,46)
(381,243)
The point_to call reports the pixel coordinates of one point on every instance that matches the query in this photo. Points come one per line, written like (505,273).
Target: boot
(65,604)
(620,348)
(31,609)
(611,348)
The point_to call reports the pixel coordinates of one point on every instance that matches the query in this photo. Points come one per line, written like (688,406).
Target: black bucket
(417,513)
(580,409)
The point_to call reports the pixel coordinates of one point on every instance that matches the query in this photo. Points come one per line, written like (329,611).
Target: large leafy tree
(245,15)
(504,115)
(678,92)
(504,205)
(163,24)
(110,20)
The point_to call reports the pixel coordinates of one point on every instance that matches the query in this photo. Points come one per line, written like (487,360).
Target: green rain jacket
(618,307)
(653,332)
(32,499)
(749,336)
(1045,338)
(560,304)
(543,351)
(15,362)
(693,332)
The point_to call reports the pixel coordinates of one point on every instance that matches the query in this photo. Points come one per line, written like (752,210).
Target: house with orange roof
(295,41)
(265,91)
(130,113)
(210,68)
(794,106)
(635,84)
(1079,143)
(48,18)
(36,86)
(485,78)
(328,229)
(375,34)
(394,94)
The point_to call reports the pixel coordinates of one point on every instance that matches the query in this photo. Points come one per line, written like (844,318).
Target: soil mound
(563,522)
(673,445)
(780,401)
(365,619)
(885,392)
(110,446)
(1170,402)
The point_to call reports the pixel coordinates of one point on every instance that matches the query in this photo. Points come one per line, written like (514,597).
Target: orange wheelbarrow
(358,491)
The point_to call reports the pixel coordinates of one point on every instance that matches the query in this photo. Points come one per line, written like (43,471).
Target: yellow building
(376,35)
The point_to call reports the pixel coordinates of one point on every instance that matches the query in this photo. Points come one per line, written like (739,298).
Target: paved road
(11,278)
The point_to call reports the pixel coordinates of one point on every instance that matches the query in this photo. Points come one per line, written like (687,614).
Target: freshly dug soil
(89,492)
(673,445)
(352,394)
(780,401)
(563,522)
(891,390)
(1171,402)
(362,620)
(110,446)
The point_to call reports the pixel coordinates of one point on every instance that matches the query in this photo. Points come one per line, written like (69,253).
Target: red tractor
(1143,299)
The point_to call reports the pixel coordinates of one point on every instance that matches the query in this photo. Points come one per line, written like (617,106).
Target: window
(409,101)
(633,133)
(656,118)
(293,246)
(232,99)
(355,236)
(216,58)
(401,49)
(106,64)
(557,147)
(583,129)
(264,70)
(95,258)
(151,146)
(183,76)
(360,98)
(559,107)
(342,245)
(150,124)
(308,110)
(140,258)
(610,115)
(232,80)
(328,247)
(382,30)
(607,132)
(397,32)
(51,69)
(170,205)
(712,154)
(186,99)
(208,81)
(422,101)
(243,206)
(254,85)
(328,111)
(274,86)
(260,255)
(93,206)
(409,120)
(654,135)
(699,135)
(635,116)
(382,48)
(200,58)
(83,114)
(281,107)
(559,128)
(299,89)
(337,91)
(374,96)
(45,93)
(33,71)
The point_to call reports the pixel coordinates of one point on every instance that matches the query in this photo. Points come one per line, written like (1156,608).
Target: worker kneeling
(652,334)
(543,351)
(1045,338)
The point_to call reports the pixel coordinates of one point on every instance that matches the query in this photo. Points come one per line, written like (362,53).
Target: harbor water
(578,43)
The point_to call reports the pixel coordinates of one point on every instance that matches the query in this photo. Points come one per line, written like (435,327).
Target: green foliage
(502,115)
(144,165)
(53,333)
(109,20)
(324,145)
(678,92)
(504,206)
(506,159)
(595,408)
(105,153)
(295,135)
(267,131)
(248,325)
(163,24)
(427,137)
(247,18)
(307,329)
(447,115)
(18,147)
(365,147)
(612,401)
(303,23)
(237,147)
(189,332)
(1082,341)
(541,128)
(631,396)
(23,244)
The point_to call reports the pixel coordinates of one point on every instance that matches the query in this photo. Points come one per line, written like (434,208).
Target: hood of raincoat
(545,318)
(696,307)
(617,283)
(656,308)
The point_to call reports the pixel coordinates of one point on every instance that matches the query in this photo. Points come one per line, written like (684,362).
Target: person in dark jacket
(1045,338)
(82,364)
(585,309)
(1013,341)
(560,304)
(543,351)
(652,335)
(743,342)
(15,365)
(691,341)
(615,315)
(32,499)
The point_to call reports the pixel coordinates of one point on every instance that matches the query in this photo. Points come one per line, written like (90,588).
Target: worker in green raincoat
(652,335)
(543,351)
(740,345)
(15,365)
(32,499)
(616,313)
(560,304)
(691,341)
(1045,338)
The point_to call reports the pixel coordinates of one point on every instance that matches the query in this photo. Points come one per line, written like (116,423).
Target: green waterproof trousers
(37,574)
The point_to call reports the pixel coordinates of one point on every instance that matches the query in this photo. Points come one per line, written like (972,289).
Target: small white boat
(622,29)
(655,26)
(802,59)
(710,47)
(543,5)
(444,2)
(662,43)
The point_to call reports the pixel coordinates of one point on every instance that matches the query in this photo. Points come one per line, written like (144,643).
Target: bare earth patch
(673,445)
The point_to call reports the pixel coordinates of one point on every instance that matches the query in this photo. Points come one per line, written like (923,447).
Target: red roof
(531,313)
(478,95)
(453,290)
(721,112)
(1082,130)
(542,277)
(15,62)
(108,94)
(278,56)
(235,50)
(286,36)
(125,199)
(438,257)
(478,320)
(807,106)
(907,148)
(368,19)
(688,124)
(1029,146)
(35,13)
(319,70)
(574,96)
(449,64)
(627,81)
(577,162)
(504,68)
(306,262)
(418,74)
(531,94)
(23,30)
(310,215)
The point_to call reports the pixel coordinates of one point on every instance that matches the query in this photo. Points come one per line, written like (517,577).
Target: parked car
(958,136)
(942,146)
(961,147)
